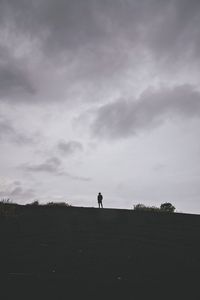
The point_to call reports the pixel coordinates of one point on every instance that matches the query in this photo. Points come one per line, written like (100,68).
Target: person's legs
(101,204)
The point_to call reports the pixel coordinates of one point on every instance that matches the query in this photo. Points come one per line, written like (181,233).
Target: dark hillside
(63,252)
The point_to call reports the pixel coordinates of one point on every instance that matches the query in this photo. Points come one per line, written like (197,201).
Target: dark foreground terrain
(82,253)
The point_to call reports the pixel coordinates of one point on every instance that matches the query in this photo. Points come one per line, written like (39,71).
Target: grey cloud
(13,81)
(5,129)
(16,191)
(19,192)
(70,147)
(52,166)
(8,132)
(14,78)
(80,178)
(159,167)
(128,117)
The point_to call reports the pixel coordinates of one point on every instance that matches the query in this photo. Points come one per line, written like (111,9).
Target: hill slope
(98,251)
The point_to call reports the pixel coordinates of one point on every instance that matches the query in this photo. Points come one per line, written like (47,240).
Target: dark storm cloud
(124,118)
(70,24)
(170,32)
(70,147)
(101,37)
(8,132)
(14,78)
(60,24)
(13,81)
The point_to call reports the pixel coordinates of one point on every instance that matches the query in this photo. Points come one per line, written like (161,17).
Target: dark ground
(82,253)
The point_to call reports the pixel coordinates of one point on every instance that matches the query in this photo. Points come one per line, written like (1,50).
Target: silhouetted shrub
(167,207)
(62,204)
(142,207)
(34,203)
(5,201)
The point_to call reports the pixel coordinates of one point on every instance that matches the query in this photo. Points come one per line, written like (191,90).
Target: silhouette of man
(100,198)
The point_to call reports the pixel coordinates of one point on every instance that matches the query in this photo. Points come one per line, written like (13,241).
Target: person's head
(99,193)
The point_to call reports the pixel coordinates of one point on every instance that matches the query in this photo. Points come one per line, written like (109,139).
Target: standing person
(99,199)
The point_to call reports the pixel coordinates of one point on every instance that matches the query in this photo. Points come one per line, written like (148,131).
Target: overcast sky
(100,96)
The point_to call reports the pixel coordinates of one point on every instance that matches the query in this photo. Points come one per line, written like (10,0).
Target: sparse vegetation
(34,203)
(165,207)
(142,207)
(62,204)
(54,204)
(5,201)
(7,208)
